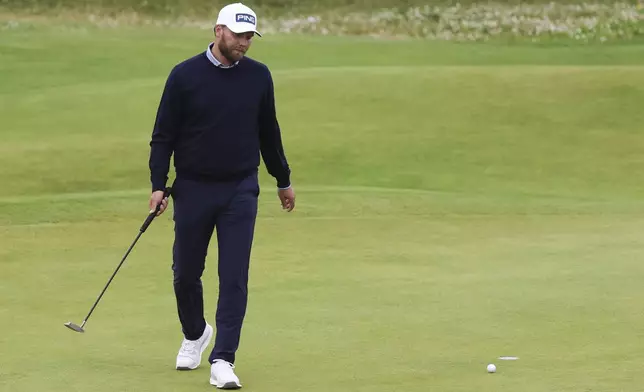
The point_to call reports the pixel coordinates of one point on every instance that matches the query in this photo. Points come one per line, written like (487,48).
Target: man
(217,115)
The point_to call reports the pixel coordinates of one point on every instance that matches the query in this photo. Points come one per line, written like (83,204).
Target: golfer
(217,116)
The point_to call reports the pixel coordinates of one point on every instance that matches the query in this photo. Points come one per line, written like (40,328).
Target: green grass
(456,203)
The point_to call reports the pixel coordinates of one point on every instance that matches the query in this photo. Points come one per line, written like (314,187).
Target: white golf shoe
(189,356)
(222,375)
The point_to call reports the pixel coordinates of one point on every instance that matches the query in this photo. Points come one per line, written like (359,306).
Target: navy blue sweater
(217,121)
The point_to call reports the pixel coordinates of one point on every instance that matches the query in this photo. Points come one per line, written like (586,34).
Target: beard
(232,54)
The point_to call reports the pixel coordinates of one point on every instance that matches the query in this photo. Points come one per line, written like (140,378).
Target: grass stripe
(350,189)
(122,86)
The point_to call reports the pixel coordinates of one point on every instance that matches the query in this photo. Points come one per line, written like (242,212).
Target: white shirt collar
(214,60)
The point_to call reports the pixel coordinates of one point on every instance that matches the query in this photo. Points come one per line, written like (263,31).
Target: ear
(218,30)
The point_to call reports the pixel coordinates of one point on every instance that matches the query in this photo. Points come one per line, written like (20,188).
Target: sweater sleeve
(166,127)
(270,139)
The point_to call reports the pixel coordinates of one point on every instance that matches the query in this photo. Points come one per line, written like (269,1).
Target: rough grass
(169,7)
(583,22)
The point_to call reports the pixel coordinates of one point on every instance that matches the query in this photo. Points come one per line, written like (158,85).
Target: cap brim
(242,28)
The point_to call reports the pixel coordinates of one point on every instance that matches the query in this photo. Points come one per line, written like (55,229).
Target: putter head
(74,327)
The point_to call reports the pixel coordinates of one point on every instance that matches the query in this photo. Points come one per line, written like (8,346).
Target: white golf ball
(491,368)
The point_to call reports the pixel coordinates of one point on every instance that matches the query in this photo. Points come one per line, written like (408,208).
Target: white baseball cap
(238,18)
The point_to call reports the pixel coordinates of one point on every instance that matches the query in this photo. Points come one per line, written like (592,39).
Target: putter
(148,220)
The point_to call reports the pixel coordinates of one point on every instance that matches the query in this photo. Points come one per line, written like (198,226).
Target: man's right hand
(155,199)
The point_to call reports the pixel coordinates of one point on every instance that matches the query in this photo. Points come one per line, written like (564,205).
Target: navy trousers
(200,208)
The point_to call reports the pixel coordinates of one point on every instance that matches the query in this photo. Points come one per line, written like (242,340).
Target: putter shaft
(145,225)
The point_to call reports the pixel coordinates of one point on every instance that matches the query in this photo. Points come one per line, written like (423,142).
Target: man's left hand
(287,198)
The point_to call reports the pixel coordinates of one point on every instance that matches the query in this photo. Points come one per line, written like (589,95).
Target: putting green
(456,203)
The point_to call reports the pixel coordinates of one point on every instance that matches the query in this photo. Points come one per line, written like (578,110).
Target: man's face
(233,46)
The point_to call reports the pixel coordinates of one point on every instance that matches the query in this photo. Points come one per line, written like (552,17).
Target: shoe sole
(228,385)
(203,348)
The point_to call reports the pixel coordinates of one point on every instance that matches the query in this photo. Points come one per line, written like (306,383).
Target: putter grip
(154,213)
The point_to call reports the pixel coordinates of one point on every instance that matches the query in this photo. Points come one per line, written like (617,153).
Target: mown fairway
(456,203)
